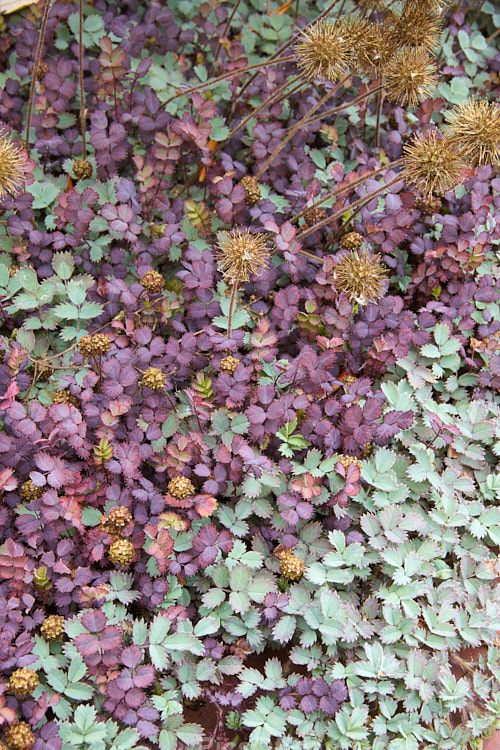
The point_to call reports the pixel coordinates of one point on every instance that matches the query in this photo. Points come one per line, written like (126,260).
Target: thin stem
(357,205)
(380,103)
(340,10)
(292,132)
(219,45)
(493,36)
(350,185)
(224,76)
(358,99)
(231,308)
(34,72)
(80,77)
(283,48)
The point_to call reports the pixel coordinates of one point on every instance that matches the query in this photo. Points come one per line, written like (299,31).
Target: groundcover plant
(249,375)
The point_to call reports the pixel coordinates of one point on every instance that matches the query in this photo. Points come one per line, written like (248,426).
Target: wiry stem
(357,205)
(80,78)
(330,112)
(224,76)
(232,302)
(380,103)
(345,188)
(34,73)
(296,127)
(285,47)
(219,45)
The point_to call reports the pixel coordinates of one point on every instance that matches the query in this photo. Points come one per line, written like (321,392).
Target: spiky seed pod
(370,5)
(65,397)
(291,566)
(229,364)
(474,127)
(82,169)
(19,736)
(152,281)
(351,241)
(366,49)
(252,190)
(417,26)
(94,345)
(42,70)
(12,167)
(103,452)
(241,254)
(29,492)
(41,579)
(361,276)
(322,52)
(314,215)
(53,628)
(429,205)
(154,378)
(433,163)
(23,681)
(117,520)
(121,553)
(181,488)
(346,461)
(409,76)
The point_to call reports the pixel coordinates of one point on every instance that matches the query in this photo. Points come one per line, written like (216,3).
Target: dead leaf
(9,6)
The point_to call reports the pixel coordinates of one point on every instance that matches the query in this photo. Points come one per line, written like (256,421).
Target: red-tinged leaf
(110,638)
(8,481)
(87,644)
(205,504)
(95,621)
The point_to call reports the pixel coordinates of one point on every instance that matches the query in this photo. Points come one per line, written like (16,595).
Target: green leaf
(76,292)
(206,626)
(190,734)
(79,691)
(219,129)
(90,310)
(63,265)
(159,629)
(57,680)
(65,311)
(77,669)
(184,642)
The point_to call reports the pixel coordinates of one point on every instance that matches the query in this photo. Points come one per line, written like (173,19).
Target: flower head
(23,681)
(433,163)
(154,378)
(19,736)
(121,553)
(361,276)
(12,166)
(292,567)
(474,126)
(322,51)
(409,76)
(181,488)
(241,254)
(94,345)
(52,628)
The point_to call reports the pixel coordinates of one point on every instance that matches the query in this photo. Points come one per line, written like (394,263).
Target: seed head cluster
(116,521)
(361,276)
(292,567)
(29,492)
(23,681)
(94,345)
(82,169)
(252,190)
(154,378)
(351,241)
(474,127)
(433,163)
(12,167)
(152,281)
(181,488)
(121,553)
(241,254)
(229,364)
(52,628)
(19,736)
(322,52)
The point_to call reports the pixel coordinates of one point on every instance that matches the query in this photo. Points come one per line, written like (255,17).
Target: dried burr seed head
(121,553)
(292,567)
(19,736)
(351,241)
(252,190)
(365,44)
(474,127)
(152,281)
(409,76)
(154,378)
(429,205)
(433,163)
(117,520)
(42,70)
(370,5)
(23,681)
(53,628)
(12,167)
(229,364)
(94,345)
(65,397)
(241,254)
(181,488)
(322,52)
(417,26)
(346,461)
(361,276)
(82,169)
